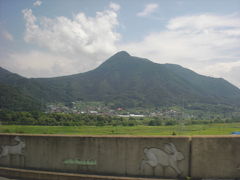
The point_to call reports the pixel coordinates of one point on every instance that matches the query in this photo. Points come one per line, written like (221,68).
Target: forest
(8,117)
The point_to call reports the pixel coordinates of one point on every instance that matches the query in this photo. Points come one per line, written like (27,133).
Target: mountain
(128,81)
(12,98)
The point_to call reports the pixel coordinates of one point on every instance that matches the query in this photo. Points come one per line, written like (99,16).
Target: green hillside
(128,81)
(14,99)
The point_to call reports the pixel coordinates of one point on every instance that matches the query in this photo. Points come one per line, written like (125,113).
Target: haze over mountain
(124,81)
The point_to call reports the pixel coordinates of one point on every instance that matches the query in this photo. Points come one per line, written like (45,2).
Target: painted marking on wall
(13,149)
(166,157)
(80,162)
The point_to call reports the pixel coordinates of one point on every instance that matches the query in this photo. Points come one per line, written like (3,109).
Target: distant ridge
(128,81)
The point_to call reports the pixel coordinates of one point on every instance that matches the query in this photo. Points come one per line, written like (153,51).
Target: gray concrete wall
(215,157)
(166,157)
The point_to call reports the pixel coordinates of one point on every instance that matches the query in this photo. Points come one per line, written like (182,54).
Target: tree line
(61,119)
(8,117)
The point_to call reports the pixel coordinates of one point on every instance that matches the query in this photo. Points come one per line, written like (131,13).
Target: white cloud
(149,9)
(80,34)
(6,35)
(203,22)
(39,64)
(114,6)
(37,3)
(86,41)
(196,42)
(229,70)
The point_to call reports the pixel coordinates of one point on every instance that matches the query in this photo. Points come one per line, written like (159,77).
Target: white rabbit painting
(12,149)
(168,157)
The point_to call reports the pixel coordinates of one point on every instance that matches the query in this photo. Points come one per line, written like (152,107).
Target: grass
(206,129)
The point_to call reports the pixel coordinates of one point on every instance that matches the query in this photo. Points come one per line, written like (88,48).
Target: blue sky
(51,38)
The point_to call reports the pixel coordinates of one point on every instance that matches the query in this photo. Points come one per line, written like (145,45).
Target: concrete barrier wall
(166,157)
(215,157)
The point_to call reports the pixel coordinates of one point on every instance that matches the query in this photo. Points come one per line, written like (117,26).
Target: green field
(208,129)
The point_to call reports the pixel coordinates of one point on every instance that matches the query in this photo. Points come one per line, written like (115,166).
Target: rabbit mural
(168,157)
(12,149)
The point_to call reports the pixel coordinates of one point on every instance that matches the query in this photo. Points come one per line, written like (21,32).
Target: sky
(40,38)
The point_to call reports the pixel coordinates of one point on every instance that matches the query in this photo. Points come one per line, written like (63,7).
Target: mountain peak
(119,57)
(122,54)
(123,59)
